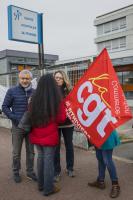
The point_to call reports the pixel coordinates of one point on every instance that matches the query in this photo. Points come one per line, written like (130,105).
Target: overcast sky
(68,25)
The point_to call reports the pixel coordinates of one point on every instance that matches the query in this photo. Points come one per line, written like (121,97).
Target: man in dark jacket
(14,106)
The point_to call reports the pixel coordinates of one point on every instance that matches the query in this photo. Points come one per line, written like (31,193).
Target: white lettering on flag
(93,115)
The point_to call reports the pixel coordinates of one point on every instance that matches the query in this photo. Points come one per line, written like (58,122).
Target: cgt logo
(92,115)
(102,90)
(17,15)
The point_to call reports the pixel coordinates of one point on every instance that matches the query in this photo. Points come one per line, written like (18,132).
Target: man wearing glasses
(14,106)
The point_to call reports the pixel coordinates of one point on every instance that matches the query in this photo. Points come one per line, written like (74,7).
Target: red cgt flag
(97,104)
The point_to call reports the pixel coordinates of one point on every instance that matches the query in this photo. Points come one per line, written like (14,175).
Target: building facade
(115,32)
(12,62)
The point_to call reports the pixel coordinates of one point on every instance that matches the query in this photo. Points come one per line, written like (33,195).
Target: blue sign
(24,25)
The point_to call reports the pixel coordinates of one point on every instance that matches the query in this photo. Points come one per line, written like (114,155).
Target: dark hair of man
(45,101)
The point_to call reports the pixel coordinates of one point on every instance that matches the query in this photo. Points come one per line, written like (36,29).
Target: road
(71,188)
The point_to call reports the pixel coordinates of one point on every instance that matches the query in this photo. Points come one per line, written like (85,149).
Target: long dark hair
(45,101)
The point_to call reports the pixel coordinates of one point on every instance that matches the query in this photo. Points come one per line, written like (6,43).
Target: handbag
(25,122)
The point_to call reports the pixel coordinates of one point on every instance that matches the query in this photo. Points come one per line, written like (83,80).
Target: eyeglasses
(58,78)
(27,79)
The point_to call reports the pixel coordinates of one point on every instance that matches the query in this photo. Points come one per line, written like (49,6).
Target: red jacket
(48,135)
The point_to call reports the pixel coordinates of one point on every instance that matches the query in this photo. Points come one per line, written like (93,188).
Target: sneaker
(97,184)
(70,173)
(57,177)
(55,190)
(32,176)
(17,178)
(115,191)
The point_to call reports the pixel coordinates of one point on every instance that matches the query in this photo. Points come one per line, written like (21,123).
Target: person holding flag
(104,158)
(97,106)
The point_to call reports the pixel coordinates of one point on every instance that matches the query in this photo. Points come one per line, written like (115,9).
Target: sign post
(26,26)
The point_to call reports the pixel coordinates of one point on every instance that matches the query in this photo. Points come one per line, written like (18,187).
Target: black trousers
(67,134)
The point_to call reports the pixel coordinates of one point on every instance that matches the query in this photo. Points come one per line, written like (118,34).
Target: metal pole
(42,46)
(39,56)
(43,62)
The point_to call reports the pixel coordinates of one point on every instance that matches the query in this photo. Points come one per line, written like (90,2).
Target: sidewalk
(126,128)
(71,188)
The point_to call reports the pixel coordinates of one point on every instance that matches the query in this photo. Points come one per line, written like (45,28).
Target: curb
(129,161)
(127,141)
(118,158)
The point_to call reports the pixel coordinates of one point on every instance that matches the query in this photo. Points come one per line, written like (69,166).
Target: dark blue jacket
(15,103)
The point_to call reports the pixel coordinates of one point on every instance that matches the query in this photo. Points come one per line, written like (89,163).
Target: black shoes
(17,178)
(32,176)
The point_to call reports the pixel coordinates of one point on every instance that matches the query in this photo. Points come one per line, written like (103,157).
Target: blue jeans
(104,158)
(45,168)
(68,140)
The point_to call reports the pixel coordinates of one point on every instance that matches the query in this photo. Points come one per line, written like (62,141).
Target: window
(123,42)
(115,44)
(107,27)
(115,25)
(108,45)
(126,80)
(120,77)
(123,23)
(3,80)
(100,30)
(20,59)
(13,79)
(100,46)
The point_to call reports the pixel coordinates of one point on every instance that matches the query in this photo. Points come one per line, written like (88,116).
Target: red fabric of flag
(97,104)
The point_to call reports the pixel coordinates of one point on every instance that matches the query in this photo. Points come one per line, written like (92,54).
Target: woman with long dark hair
(65,129)
(47,111)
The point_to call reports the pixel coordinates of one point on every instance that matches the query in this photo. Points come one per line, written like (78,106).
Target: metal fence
(74,72)
(11,79)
